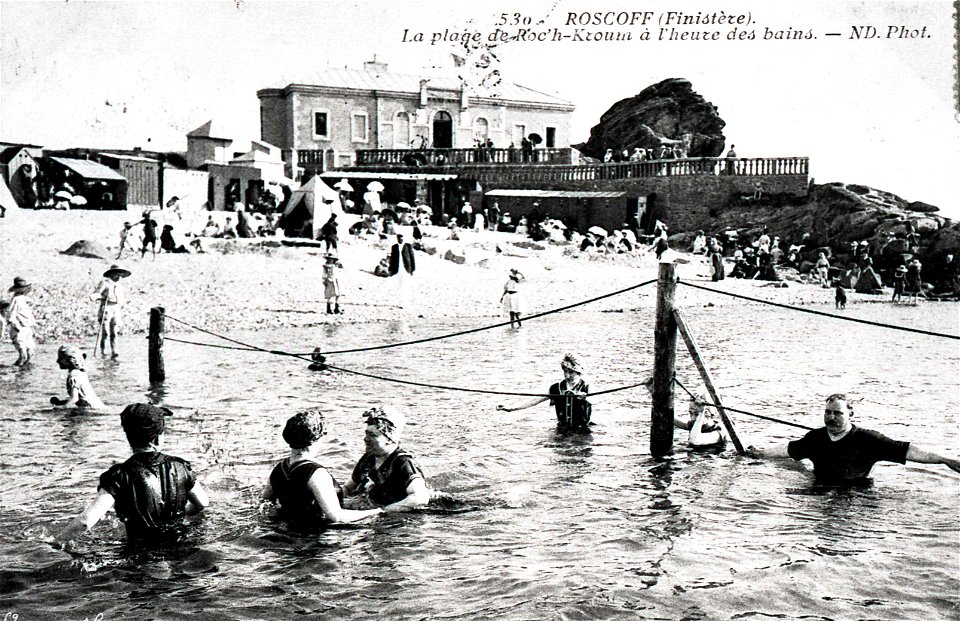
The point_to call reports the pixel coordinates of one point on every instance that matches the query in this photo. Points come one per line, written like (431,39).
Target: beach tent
(314,201)
(6,197)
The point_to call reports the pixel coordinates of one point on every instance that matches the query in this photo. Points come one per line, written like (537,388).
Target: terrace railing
(630,170)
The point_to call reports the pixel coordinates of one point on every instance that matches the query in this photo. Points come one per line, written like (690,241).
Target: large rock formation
(667,110)
(836,214)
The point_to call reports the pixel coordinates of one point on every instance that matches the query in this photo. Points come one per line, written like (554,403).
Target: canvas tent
(309,208)
(6,197)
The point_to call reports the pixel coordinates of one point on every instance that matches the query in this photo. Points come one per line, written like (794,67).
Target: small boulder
(88,249)
(455,257)
(922,207)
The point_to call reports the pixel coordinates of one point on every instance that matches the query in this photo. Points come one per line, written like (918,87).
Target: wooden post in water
(707,380)
(155,344)
(664,363)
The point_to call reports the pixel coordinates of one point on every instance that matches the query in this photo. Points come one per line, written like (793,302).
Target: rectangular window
(519,131)
(359,130)
(551,137)
(321,124)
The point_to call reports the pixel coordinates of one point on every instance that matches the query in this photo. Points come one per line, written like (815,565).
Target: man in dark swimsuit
(387,474)
(151,492)
(844,454)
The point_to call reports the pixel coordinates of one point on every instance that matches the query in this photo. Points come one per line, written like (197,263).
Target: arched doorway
(442,131)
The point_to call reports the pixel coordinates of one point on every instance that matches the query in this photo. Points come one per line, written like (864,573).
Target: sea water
(533,525)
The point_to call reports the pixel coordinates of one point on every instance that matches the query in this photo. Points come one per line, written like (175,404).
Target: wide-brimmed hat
(389,421)
(116,269)
(571,363)
(902,268)
(304,428)
(143,423)
(20,285)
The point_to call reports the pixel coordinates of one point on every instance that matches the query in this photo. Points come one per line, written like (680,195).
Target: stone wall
(684,202)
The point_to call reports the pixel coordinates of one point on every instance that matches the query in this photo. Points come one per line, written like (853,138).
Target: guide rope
(823,314)
(730,409)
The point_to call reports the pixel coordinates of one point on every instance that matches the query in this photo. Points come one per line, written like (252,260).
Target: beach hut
(309,208)
(6,198)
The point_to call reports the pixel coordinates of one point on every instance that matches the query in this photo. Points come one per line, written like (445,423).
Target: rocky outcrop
(836,214)
(666,110)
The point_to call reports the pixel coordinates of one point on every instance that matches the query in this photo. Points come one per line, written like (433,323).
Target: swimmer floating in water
(151,492)
(306,493)
(79,390)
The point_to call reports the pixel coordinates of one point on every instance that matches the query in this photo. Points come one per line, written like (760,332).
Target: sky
(879,111)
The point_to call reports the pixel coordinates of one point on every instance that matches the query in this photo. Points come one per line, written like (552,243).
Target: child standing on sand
(21,320)
(331,286)
(111,299)
(79,390)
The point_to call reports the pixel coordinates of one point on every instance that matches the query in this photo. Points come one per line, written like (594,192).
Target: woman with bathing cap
(151,492)
(305,491)
(388,475)
(568,397)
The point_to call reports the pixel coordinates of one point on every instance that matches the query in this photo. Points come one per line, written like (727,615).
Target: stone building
(321,124)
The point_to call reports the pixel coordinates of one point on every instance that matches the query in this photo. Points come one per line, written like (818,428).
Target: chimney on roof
(373,65)
(423,93)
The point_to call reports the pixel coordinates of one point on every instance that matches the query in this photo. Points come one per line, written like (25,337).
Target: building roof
(136,158)
(89,170)
(211,129)
(557,194)
(371,80)
(8,153)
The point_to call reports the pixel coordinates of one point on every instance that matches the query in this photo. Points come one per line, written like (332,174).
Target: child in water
(79,390)
(19,316)
(704,430)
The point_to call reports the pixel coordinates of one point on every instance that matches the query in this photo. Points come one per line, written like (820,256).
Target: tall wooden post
(155,340)
(664,363)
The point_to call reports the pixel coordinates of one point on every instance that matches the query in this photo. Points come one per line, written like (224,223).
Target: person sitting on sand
(19,316)
(844,454)
(111,297)
(703,428)
(211,228)
(388,475)
(151,492)
(568,397)
(168,243)
(306,493)
(229,231)
(79,390)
